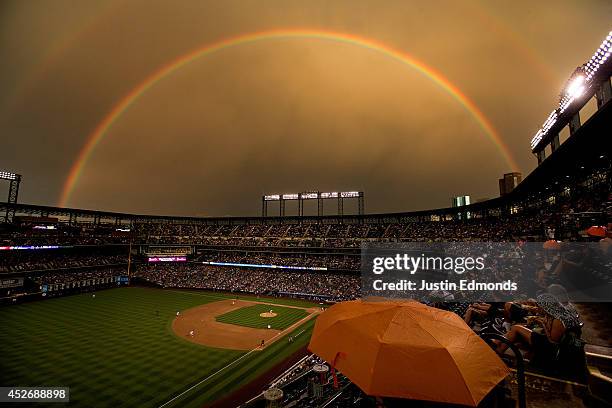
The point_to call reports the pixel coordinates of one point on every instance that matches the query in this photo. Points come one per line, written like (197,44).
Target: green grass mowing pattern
(113,350)
(250,317)
(253,366)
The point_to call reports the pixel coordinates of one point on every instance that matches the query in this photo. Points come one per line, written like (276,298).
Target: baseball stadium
(284,309)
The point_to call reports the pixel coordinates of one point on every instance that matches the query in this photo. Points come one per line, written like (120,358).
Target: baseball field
(128,347)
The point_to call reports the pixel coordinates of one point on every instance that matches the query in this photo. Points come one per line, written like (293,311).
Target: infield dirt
(209,332)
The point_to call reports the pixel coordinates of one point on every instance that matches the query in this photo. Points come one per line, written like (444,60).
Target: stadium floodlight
(5,175)
(14,181)
(313,195)
(576,87)
(599,57)
(349,194)
(550,121)
(580,83)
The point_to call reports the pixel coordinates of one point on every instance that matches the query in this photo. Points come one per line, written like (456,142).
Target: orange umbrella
(597,231)
(407,350)
(552,244)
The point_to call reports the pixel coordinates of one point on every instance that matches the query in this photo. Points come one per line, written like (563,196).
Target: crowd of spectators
(546,329)
(308,284)
(62,234)
(343,235)
(529,221)
(93,275)
(534,225)
(47,259)
(291,244)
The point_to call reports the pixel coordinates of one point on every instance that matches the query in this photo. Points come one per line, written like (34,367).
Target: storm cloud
(280,115)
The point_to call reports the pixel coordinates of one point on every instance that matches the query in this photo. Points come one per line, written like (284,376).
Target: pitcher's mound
(268,314)
(209,332)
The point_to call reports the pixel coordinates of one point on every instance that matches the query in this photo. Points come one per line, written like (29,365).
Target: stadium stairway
(599,363)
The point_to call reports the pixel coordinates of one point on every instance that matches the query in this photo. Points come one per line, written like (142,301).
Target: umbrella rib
(409,312)
(371,379)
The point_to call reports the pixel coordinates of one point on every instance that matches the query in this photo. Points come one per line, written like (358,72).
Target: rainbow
(128,100)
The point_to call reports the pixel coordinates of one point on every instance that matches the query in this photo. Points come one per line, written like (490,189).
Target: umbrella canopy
(552,244)
(407,350)
(597,231)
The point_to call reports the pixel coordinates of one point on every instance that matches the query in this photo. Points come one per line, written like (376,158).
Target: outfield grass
(250,317)
(119,350)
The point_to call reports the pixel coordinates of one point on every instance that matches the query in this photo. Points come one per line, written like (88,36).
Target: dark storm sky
(287,115)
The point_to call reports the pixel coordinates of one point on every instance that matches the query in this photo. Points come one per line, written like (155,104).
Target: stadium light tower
(13,193)
(313,195)
(590,79)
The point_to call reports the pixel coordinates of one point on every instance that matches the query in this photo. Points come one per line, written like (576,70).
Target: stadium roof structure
(589,144)
(590,79)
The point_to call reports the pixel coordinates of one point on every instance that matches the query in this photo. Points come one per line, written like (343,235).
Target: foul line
(205,379)
(294,326)
(290,328)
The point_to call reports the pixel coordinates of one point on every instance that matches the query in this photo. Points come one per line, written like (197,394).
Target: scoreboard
(11,283)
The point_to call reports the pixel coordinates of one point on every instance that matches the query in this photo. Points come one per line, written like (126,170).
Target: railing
(520,363)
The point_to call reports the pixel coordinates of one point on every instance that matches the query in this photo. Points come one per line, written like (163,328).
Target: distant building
(509,182)
(460,201)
